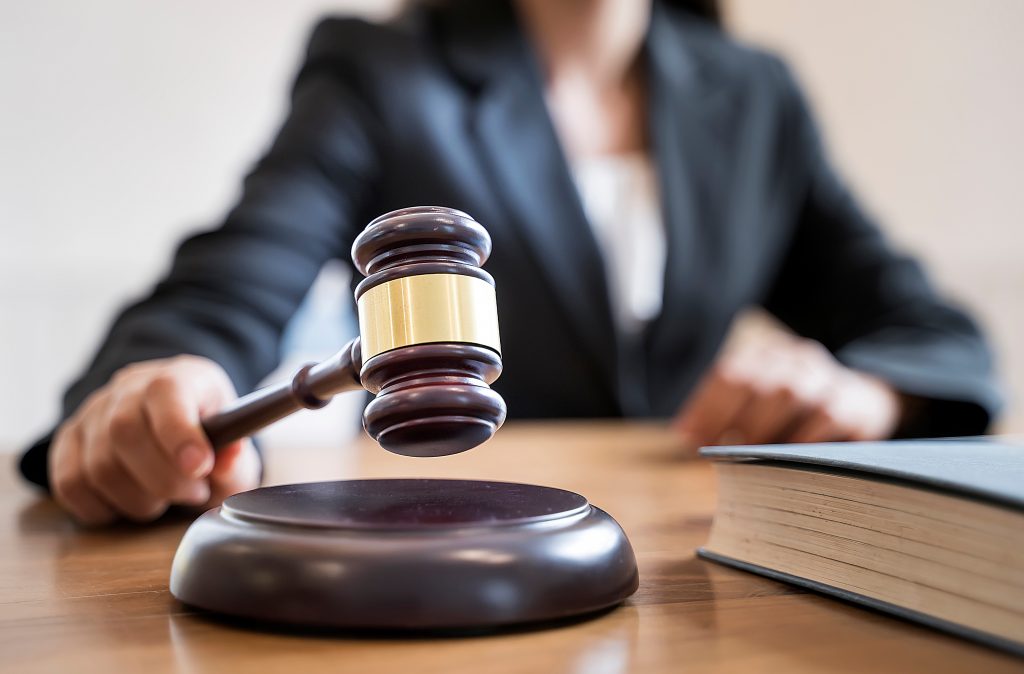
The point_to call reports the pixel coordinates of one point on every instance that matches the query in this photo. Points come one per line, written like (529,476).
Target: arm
(841,284)
(229,292)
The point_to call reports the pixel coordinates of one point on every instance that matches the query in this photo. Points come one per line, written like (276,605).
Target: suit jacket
(445,107)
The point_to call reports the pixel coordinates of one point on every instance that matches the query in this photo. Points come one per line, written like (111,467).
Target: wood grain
(97,601)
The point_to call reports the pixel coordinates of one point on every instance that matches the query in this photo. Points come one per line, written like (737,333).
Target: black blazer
(445,107)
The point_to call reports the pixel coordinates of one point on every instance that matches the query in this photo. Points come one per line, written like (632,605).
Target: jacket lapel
(686,118)
(529,175)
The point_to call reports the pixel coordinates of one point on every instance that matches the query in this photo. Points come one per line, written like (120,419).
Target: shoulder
(353,45)
(726,61)
(334,35)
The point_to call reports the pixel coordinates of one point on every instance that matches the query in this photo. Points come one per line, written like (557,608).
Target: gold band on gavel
(428,308)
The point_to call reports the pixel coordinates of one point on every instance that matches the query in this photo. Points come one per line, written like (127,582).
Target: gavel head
(428,327)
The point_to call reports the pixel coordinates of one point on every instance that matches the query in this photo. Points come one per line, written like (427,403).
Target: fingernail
(192,460)
(198,494)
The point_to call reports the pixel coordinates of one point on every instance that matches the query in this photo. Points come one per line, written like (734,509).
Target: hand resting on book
(786,389)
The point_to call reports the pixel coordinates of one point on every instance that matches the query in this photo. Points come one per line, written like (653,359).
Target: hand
(786,390)
(135,446)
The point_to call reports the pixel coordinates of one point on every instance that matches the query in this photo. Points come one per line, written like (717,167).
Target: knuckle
(826,416)
(762,387)
(197,365)
(798,394)
(747,348)
(787,392)
(190,360)
(217,377)
(162,383)
(813,350)
(92,402)
(102,472)
(125,373)
(732,373)
(125,424)
(757,390)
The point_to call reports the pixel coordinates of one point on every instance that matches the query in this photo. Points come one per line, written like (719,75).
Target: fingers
(787,391)
(859,407)
(68,483)
(171,409)
(238,468)
(772,403)
(821,425)
(124,454)
(711,412)
(139,449)
(109,478)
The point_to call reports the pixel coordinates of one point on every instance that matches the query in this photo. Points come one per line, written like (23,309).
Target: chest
(593,119)
(726,210)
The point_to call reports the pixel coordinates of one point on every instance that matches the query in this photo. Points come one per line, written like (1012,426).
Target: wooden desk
(97,601)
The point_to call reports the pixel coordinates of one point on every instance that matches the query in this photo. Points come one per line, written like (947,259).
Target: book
(932,530)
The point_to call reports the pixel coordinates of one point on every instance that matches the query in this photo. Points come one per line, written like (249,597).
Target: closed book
(932,530)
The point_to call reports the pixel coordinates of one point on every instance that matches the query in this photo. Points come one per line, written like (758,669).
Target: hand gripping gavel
(427,347)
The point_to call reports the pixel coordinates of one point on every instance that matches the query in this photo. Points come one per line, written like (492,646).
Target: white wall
(126,124)
(123,126)
(923,105)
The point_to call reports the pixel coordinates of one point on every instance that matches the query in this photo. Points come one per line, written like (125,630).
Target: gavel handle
(312,387)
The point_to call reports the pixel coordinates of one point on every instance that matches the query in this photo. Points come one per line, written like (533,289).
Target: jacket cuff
(33,464)
(949,403)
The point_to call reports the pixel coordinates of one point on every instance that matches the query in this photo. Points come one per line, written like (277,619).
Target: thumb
(237,468)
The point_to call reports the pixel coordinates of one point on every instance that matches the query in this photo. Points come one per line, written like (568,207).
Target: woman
(643,179)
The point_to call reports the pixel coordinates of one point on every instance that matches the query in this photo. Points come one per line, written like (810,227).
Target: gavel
(428,344)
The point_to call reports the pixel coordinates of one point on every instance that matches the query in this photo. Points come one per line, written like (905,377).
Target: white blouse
(621,200)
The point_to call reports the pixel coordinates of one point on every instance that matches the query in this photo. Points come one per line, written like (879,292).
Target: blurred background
(125,126)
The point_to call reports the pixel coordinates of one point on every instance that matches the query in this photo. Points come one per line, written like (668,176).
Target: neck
(598,40)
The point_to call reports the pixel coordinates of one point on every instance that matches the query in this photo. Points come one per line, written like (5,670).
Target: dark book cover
(991,468)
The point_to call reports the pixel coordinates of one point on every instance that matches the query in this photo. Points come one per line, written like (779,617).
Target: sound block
(412,554)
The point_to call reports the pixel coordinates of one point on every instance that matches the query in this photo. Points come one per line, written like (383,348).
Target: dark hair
(711,10)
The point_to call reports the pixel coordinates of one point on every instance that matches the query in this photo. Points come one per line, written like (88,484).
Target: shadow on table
(43,515)
(771,624)
(603,642)
(369,634)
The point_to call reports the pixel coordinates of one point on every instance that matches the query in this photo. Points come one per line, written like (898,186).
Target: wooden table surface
(74,600)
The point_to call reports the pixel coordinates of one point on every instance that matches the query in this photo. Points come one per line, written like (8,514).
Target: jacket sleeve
(842,283)
(230,291)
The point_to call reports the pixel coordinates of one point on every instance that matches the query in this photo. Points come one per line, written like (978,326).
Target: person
(643,177)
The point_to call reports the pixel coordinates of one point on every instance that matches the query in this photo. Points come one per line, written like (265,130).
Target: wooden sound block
(405,554)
